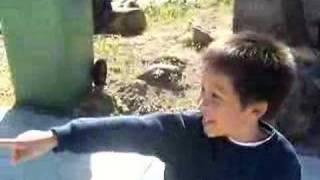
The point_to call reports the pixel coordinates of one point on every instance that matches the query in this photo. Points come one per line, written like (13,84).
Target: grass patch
(122,62)
(225,6)
(169,12)
(107,46)
(225,2)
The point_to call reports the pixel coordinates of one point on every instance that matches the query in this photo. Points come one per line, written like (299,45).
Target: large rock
(299,119)
(261,16)
(282,18)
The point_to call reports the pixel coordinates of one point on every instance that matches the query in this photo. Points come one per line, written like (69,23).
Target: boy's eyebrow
(220,91)
(218,94)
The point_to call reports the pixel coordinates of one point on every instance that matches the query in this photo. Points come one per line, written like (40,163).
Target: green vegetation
(169,12)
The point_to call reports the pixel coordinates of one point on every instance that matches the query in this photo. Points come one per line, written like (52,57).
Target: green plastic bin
(49,48)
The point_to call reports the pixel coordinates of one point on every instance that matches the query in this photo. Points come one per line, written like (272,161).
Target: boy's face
(220,105)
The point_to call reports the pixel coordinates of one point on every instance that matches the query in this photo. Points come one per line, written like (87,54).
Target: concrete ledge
(97,166)
(66,166)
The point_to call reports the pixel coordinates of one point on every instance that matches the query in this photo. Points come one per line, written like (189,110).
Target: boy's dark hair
(261,68)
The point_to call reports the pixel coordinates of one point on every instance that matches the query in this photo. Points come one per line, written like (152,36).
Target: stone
(201,36)
(173,60)
(124,18)
(127,21)
(129,4)
(99,72)
(163,75)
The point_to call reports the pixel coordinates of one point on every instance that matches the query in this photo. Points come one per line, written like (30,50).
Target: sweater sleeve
(292,172)
(151,134)
(289,168)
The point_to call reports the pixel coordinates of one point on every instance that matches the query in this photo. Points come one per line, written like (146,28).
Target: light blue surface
(310,168)
(98,166)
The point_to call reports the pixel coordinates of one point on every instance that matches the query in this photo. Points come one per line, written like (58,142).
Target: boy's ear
(258,109)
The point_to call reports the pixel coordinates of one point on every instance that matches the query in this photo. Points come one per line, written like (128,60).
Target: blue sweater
(178,140)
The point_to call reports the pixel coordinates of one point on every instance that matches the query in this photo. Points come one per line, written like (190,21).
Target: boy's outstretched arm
(142,134)
(157,134)
(29,145)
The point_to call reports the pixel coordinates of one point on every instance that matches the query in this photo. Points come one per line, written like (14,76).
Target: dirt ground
(7,97)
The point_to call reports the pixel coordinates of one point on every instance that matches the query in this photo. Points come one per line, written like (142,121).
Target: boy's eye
(214,96)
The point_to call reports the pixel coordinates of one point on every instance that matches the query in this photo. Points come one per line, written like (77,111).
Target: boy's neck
(249,134)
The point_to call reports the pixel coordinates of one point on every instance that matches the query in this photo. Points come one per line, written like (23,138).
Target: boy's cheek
(212,130)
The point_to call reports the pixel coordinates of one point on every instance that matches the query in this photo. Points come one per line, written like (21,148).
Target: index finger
(7,142)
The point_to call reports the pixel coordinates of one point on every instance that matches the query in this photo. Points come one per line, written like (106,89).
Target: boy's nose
(202,101)
(199,101)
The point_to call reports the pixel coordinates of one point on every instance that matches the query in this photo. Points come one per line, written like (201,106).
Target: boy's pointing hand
(29,145)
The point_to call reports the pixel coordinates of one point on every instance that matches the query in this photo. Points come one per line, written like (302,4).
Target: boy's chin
(212,134)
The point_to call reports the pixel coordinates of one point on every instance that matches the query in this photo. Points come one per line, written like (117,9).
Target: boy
(245,79)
